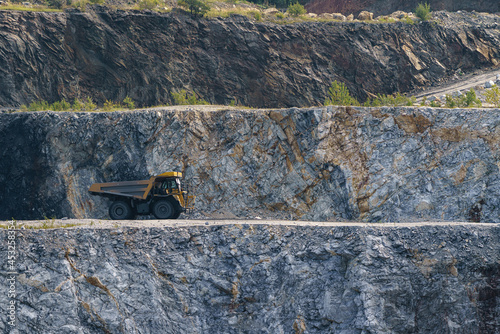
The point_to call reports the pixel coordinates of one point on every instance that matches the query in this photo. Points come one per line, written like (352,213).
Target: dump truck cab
(164,195)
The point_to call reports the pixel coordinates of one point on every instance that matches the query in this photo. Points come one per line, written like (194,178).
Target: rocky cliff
(371,164)
(385,7)
(147,56)
(257,279)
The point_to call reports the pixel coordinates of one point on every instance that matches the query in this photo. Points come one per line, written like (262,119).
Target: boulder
(271,11)
(312,15)
(326,16)
(399,15)
(350,17)
(365,16)
(489,84)
(339,17)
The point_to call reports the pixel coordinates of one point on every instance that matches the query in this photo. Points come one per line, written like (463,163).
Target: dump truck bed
(136,189)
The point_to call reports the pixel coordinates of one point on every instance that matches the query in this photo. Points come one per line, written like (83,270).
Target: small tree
(493,96)
(339,95)
(296,9)
(470,99)
(423,11)
(196,7)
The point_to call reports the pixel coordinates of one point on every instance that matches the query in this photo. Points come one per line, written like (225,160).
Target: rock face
(371,164)
(147,56)
(257,279)
(386,7)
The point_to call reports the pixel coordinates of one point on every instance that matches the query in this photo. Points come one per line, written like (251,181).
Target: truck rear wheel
(163,209)
(120,210)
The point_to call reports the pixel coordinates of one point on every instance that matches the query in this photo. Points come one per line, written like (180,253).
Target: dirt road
(465,82)
(112,224)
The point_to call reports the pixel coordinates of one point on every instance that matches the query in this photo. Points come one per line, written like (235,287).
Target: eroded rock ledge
(242,278)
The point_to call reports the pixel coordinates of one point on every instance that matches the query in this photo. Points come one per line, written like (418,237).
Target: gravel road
(465,82)
(110,224)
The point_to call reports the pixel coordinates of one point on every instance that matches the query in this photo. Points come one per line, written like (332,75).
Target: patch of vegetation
(396,100)
(387,19)
(78,105)
(423,11)
(296,9)
(20,7)
(148,4)
(338,94)
(196,7)
(407,20)
(275,3)
(184,98)
(493,96)
(467,100)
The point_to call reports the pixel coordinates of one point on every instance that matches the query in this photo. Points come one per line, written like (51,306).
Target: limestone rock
(365,16)
(489,84)
(338,16)
(326,15)
(271,11)
(399,15)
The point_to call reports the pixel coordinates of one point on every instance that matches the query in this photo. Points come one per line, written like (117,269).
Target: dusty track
(111,224)
(466,82)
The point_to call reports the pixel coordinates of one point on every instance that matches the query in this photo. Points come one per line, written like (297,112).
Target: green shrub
(435,104)
(89,105)
(493,96)
(450,102)
(58,4)
(470,99)
(257,15)
(466,100)
(61,106)
(38,106)
(338,94)
(280,15)
(296,9)
(128,103)
(423,11)
(111,106)
(391,100)
(424,101)
(183,98)
(196,7)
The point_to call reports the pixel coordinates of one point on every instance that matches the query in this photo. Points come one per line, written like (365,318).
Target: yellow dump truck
(163,195)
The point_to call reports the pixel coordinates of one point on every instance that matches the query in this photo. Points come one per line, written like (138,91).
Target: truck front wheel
(163,209)
(120,210)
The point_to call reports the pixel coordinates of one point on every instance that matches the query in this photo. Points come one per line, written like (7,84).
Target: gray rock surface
(257,279)
(330,163)
(110,54)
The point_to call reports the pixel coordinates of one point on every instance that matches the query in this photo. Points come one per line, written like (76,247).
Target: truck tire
(176,214)
(163,209)
(119,210)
